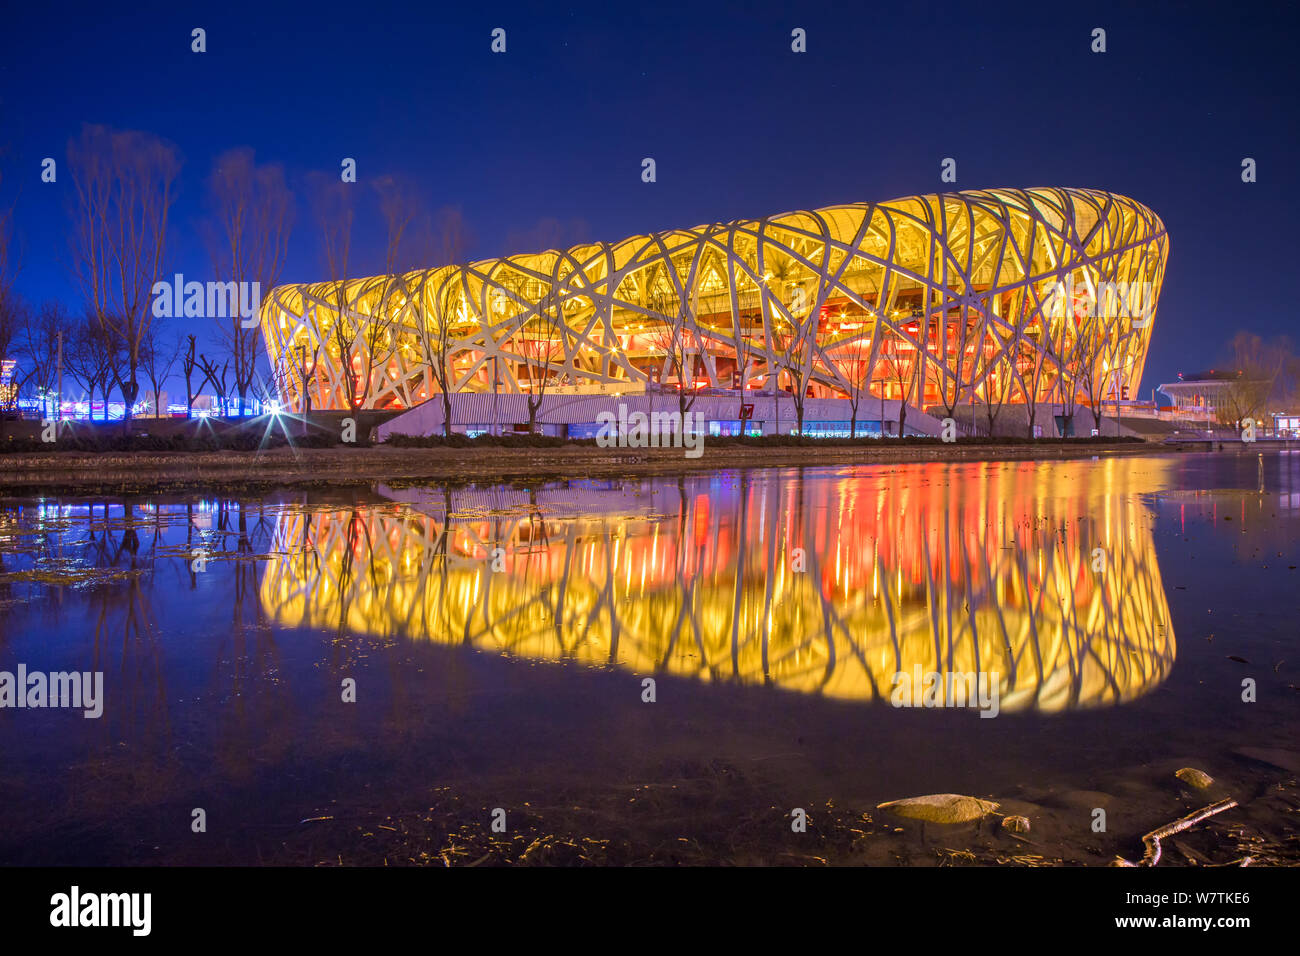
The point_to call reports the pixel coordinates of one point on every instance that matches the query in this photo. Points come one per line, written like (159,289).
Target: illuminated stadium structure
(975,296)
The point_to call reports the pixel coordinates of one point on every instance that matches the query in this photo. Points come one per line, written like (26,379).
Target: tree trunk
(533,406)
(130,392)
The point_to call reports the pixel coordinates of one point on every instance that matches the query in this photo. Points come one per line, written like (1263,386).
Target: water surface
(499,637)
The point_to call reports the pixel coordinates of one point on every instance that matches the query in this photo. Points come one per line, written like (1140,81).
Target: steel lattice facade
(987,295)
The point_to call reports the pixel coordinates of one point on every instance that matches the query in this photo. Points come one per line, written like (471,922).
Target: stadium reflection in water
(823,582)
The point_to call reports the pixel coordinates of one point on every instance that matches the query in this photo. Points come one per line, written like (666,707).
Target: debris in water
(1152,840)
(1015,824)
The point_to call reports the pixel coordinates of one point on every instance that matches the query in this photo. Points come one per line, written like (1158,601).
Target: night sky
(556,128)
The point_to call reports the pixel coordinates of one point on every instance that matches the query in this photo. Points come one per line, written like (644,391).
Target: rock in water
(1195,778)
(940,808)
(1015,824)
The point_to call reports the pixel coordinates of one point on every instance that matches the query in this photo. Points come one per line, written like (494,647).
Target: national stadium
(864,313)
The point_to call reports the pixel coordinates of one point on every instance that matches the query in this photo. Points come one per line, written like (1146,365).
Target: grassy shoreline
(74,472)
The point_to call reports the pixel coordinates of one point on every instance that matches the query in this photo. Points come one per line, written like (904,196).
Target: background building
(8,391)
(1202,396)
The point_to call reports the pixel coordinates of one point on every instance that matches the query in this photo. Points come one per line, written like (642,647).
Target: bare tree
(1082,360)
(219,376)
(798,343)
(1258,366)
(190,362)
(993,372)
(335,213)
(305,372)
(795,341)
(438,334)
(1286,388)
(956,334)
(92,359)
(253,213)
(123,184)
(677,337)
(851,359)
(389,304)
(452,237)
(999,381)
(6,265)
(157,358)
(14,317)
(540,342)
(41,338)
(1032,351)
(745,346)
(1066,350)
(1089,357)
(13,314)
(438,331)
(899,361)
(294,372)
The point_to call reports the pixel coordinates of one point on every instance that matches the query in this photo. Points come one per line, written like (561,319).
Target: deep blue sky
(738,124)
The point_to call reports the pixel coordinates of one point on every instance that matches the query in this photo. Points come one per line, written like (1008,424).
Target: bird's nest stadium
(979,296)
